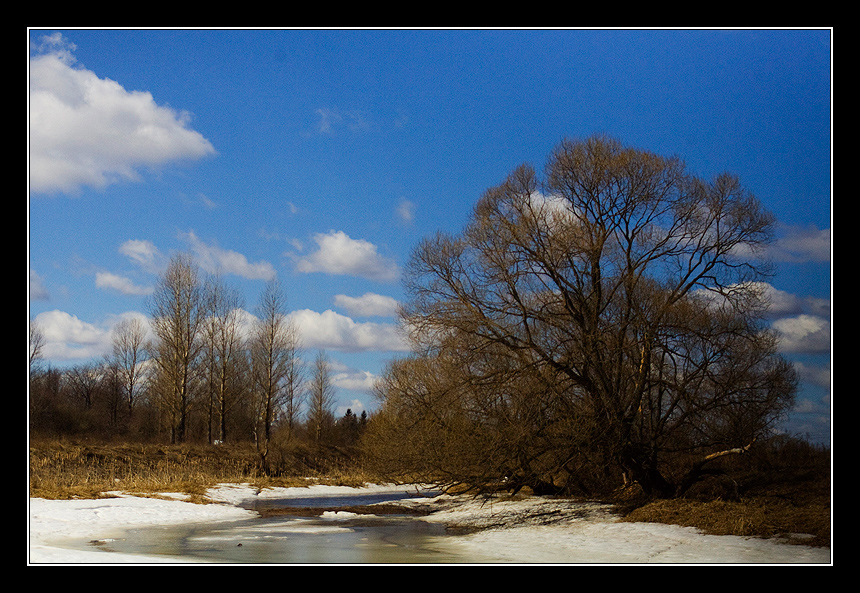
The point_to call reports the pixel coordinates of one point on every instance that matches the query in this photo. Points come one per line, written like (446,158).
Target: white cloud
(213,259)
(69,338)
(368,305)
(355,406)
(803,333)
(802,244)
(37,288)
(803,323)
(342,255)
(406,211)
(355,381)
(143,253)
(331,330)
(784,303)
(120,284)
(90,131)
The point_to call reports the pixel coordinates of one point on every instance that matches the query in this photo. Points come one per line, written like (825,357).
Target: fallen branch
(697,470)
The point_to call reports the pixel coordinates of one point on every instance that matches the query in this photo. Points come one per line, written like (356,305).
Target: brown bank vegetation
(782,489)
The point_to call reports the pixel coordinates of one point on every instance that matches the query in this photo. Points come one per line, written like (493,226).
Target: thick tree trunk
(640,466)
(652,482)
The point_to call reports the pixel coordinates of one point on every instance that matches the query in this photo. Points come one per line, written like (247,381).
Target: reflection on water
(338,538)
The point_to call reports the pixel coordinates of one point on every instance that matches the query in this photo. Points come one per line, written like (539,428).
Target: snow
(529,530)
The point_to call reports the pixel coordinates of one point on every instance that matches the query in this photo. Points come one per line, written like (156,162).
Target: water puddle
(319,530)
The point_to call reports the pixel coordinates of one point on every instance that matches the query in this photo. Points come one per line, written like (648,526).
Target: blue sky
(321,157)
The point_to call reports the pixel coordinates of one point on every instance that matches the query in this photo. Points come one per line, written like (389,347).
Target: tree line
(203,371)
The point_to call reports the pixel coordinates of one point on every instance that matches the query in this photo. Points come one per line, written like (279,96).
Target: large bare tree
(177,316)
(601,319)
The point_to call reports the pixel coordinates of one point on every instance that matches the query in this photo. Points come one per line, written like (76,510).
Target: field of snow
(531,530)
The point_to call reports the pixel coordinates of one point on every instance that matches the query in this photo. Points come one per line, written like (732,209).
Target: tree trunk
(642,469)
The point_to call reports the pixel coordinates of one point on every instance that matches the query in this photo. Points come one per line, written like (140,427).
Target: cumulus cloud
(120,284)
(143,253)
(803,323)
(368,305)
(355,406)
(333,331)
(784,303)
(69,338)
(90,131)
(212,258)
(803,333)
(354,380)
(802,244)
(339,254)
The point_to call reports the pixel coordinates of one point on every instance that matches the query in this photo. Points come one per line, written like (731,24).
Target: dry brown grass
(69,470)
(792,503)
(757,517)
(62,470)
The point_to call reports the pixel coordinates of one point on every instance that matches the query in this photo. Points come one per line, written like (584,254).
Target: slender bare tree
(37,345)
(321,396)
(223,350)
(177,315)
(129,357)
(274,351)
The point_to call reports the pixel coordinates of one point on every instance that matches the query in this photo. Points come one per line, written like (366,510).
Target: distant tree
(177,316)
(274,350)
(349,427)
(596,326)
(46,402)
(224,349)
(37,345)
(321,396)
(83,382)
(129,357)
(113,399)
